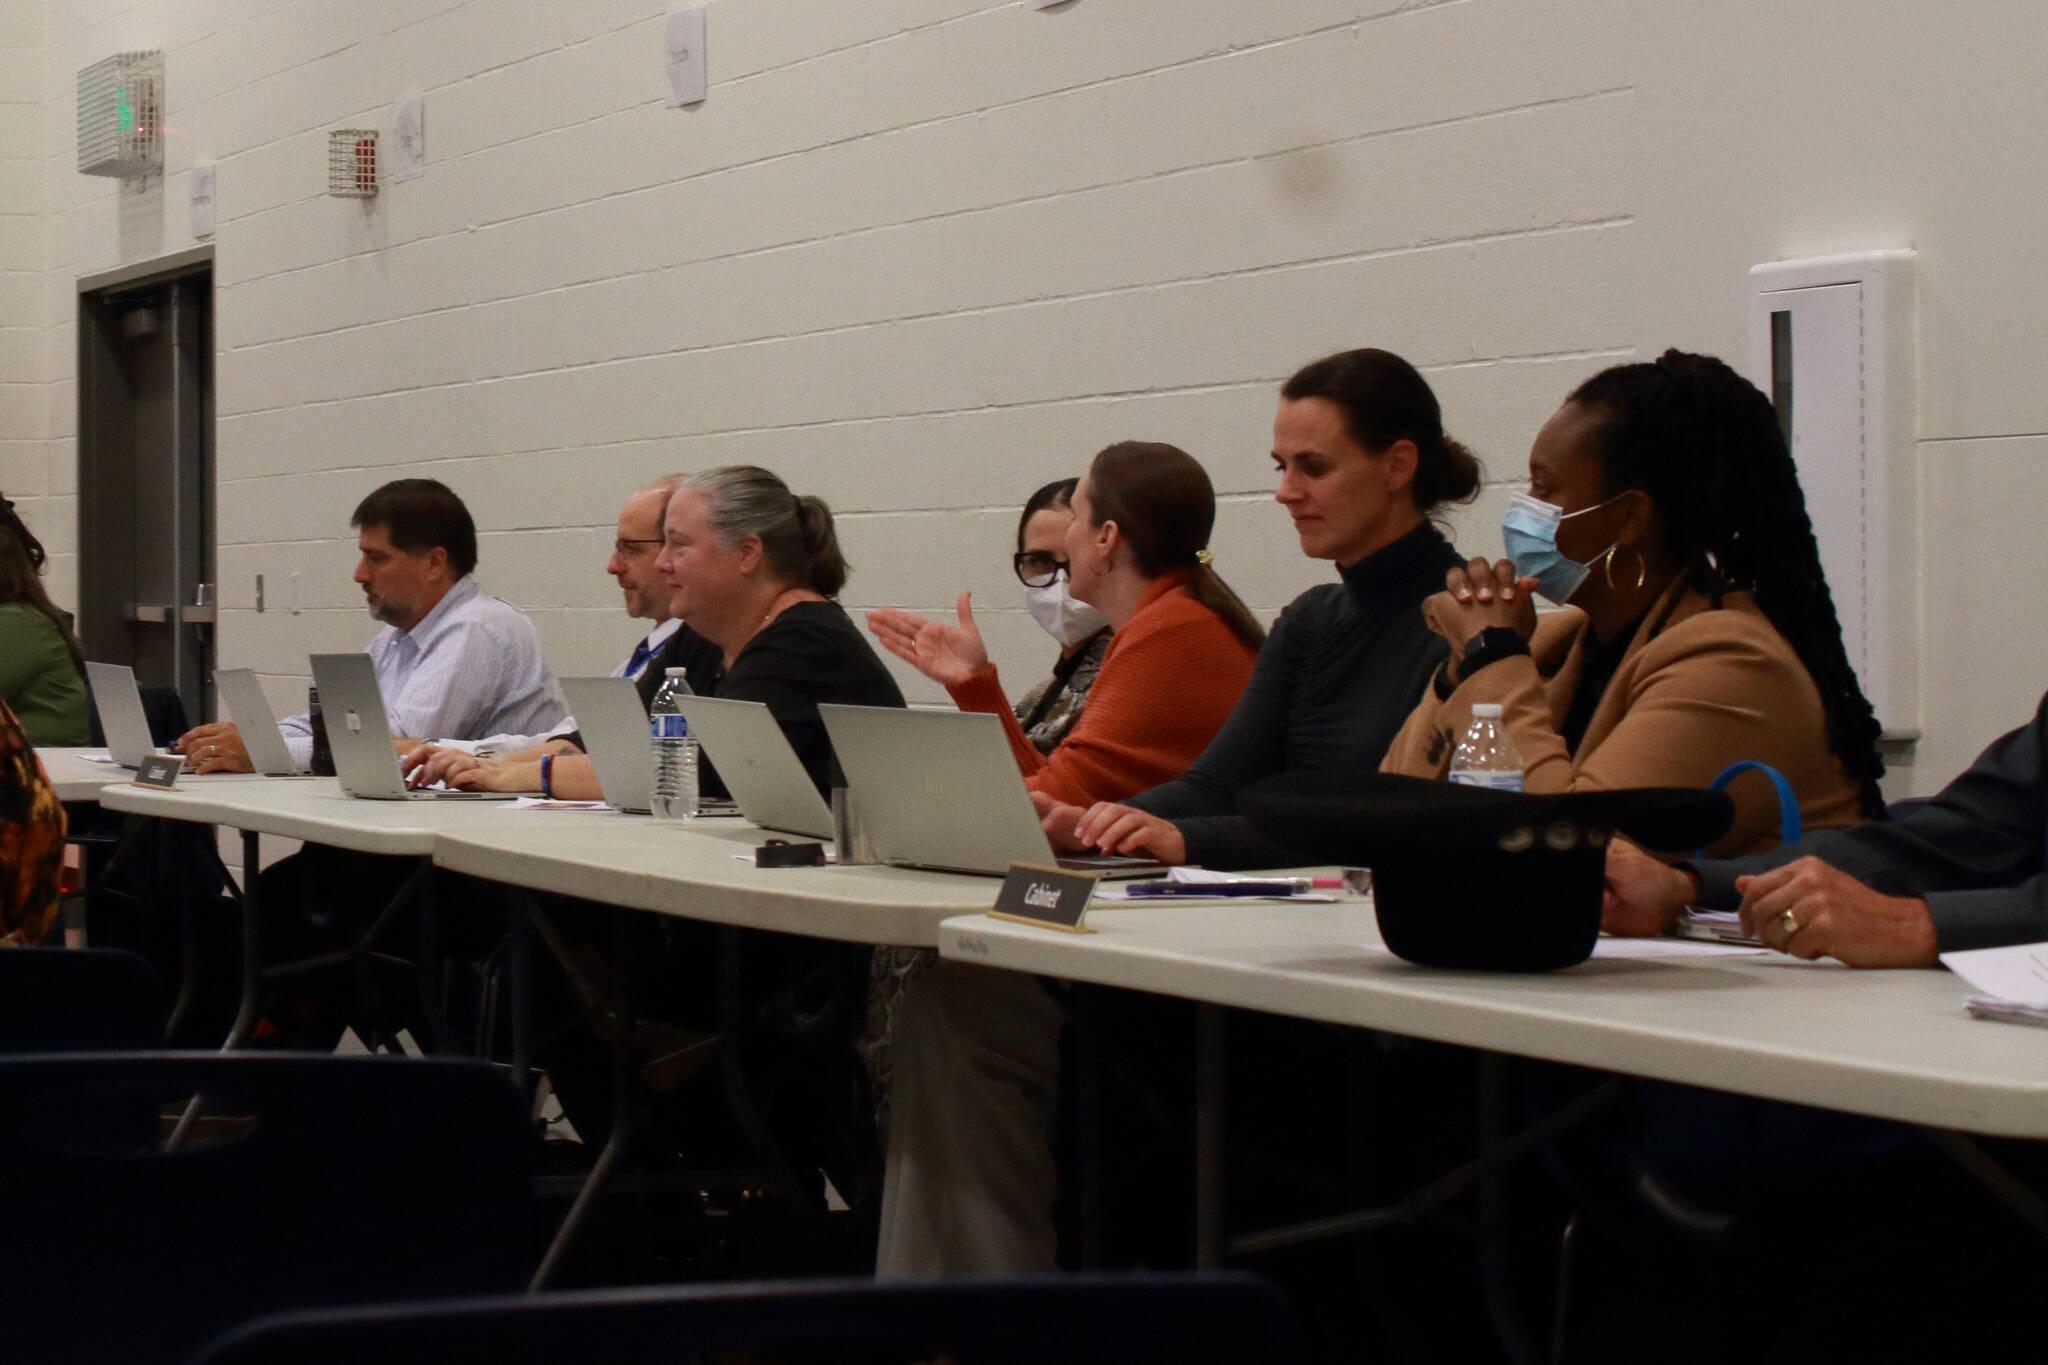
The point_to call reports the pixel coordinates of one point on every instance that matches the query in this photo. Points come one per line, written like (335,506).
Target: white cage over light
(121,115)
(352,163)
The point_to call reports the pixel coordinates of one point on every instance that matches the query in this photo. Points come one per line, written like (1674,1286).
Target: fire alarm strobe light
(352,163)
(121,115)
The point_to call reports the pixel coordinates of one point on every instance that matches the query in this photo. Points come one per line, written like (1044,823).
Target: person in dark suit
(1964,870)
(668,644)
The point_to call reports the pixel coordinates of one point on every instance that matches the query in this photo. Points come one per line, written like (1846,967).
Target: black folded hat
(1472,877)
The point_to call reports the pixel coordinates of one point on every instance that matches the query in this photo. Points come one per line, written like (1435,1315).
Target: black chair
(1074,1320)
(78,1000)
(313,1182)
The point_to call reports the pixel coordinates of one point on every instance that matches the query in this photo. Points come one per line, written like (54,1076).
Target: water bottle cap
(676,672)
(1486,710)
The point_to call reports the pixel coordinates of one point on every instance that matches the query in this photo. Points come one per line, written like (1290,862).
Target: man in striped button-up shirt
(451,660)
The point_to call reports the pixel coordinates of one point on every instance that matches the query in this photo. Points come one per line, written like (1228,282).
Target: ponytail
(824,565)
(1161,499)
(797,535)
(1208,588)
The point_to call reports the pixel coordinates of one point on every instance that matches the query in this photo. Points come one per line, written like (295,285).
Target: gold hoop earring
(1607,565)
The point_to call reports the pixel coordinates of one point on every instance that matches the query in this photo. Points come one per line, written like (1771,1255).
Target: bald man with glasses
(669,644)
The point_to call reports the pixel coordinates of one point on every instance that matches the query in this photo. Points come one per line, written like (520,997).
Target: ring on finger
(1790,922)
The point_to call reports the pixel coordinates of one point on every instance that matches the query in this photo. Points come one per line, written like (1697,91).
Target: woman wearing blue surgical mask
(1664,508)
(1048,711)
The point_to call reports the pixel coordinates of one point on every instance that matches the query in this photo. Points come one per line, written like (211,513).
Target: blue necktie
(641,654)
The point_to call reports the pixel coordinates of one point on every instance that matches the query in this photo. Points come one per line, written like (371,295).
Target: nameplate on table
(1049,897)
(160,771)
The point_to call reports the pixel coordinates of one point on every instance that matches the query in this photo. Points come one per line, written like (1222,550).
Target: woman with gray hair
(754,569)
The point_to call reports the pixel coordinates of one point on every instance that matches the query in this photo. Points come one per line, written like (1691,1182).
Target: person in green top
(42,672)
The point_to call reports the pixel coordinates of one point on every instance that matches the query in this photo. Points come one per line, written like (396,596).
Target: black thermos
(323,756)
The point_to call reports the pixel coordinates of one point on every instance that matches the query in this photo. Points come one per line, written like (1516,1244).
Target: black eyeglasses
(624,548)
(1038,568)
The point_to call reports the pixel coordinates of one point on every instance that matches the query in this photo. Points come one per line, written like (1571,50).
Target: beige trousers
(969,1178)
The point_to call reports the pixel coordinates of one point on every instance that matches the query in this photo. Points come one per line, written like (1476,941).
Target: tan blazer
(1698,689)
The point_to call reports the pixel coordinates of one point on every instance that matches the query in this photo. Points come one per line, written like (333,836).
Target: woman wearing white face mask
(1665,508)
(1048,711)
(1137,551)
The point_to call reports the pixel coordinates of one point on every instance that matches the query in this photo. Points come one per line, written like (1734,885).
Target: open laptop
(757,765)
(359,736)
(250,710)
(615,733)
(940,789)
(119,703)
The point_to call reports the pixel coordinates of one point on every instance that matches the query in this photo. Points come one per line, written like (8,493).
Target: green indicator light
(123,111)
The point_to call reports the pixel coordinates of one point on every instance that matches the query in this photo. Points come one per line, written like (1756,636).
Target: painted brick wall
(922,255)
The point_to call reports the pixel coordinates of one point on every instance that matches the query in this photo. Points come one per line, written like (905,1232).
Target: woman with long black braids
(1664,506)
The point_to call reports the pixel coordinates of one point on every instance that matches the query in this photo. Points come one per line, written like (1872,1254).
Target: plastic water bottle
(1487,756)
(675,751)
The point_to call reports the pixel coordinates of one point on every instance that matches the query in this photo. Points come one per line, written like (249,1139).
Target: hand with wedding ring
(947,654)
(1812,909)
(214,748)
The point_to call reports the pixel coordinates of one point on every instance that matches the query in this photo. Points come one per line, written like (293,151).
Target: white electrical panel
(1832,343)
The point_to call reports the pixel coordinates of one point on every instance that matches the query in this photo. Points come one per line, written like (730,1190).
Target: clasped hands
(1480,596)
(1807,908)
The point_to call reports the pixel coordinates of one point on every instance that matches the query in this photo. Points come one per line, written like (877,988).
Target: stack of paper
(2011,983)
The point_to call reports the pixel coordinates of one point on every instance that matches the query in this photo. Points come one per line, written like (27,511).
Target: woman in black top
(1364,463)
(753,568)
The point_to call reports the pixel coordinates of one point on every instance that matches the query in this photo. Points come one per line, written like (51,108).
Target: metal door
(145,476)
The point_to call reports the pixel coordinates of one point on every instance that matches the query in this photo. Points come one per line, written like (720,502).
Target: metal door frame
(107,613)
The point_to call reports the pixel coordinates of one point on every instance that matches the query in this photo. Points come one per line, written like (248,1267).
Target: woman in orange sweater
(1183,647)
(976,1049)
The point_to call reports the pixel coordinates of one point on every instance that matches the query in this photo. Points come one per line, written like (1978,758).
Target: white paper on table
(1672,947)
(1122,894)
(544,803)
(2018,974)
(107,759)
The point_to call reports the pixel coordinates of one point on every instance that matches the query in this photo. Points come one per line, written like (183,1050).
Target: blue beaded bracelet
(547,776)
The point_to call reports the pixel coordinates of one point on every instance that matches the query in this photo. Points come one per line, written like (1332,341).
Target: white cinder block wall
(922,255)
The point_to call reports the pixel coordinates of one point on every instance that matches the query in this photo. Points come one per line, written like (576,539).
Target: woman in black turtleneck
(1364,462)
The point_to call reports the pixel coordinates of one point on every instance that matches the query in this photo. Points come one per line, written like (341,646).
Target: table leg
(2004,1186)
(519,967)
(252,980)
(625,1110)
(1209,1238)
(252,945)
(1496,1261)
(1088,1085)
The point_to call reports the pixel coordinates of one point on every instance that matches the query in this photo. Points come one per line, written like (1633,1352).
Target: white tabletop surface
(1895,1044)
(314,809)
(690,870)
(77,778)
(74,778)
